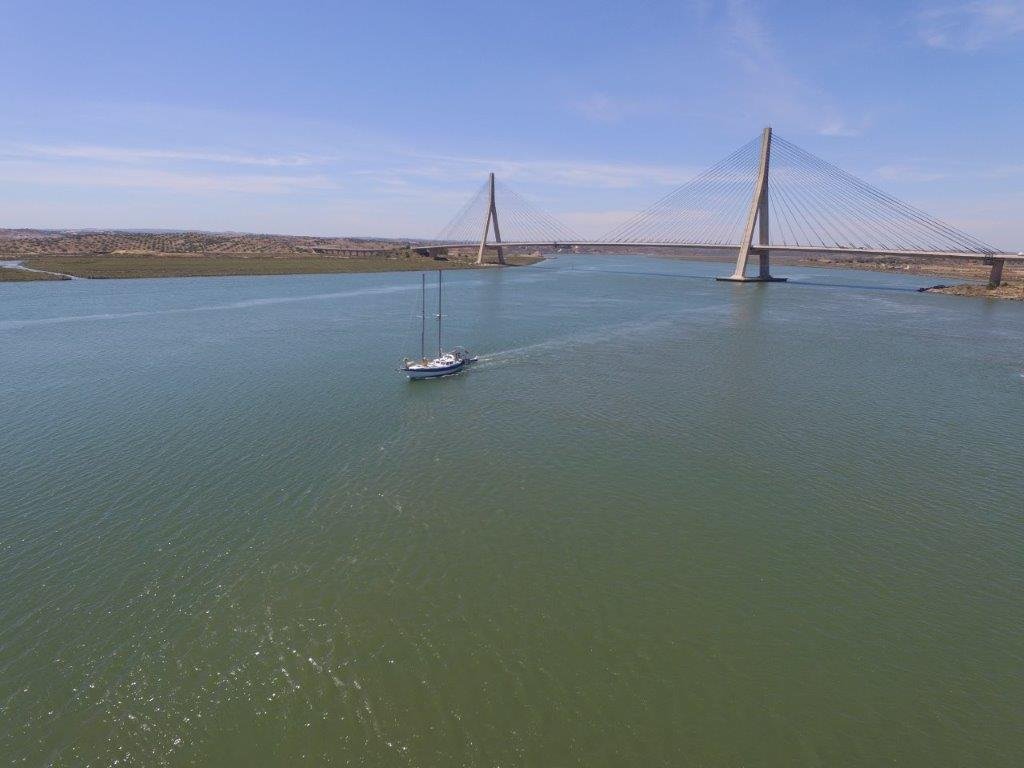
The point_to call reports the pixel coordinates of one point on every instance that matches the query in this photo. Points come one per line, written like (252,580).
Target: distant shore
(58,255)
(105,266)
(955,269)
(64,255)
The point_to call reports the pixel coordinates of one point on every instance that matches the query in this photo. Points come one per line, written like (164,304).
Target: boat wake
(243,304)
(588,337)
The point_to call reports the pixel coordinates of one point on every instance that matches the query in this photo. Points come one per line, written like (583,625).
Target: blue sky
(341,118)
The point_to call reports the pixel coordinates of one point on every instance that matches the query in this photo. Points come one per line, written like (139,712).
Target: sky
(382,118)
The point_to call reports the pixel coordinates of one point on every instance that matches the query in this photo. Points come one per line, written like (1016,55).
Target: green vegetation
(201,254)
(211,265)
(1013,290)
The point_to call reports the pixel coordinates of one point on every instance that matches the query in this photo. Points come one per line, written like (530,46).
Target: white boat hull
(435,373)
(446,363)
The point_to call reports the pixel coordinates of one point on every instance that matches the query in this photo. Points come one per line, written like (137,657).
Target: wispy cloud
(172,170)
(921,170)
(909,173)
(132,155)
(790,96)
(838,127)
(401,172)
(1005,171)
(35,173)
(599,107)
(595,223)
(556,172)
(971,26)
(602,108)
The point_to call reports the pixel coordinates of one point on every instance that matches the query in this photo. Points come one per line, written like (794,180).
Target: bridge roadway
(995,259)
(754,248)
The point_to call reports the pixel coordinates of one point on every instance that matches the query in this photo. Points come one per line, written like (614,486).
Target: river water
(664,521)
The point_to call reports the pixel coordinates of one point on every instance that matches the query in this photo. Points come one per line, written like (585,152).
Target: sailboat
(446,363)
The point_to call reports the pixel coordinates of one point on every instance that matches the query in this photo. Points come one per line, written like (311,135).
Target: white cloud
(430,181)
(909,173)
(1006,171)
(788,97)
(599,107)
(37,173)
(594,223)
(406,190)
(836,127)
(556,172)
(602,108)
(994,219)
(918,170)
(172,170)
(964,196)
(971,26)
(139,155)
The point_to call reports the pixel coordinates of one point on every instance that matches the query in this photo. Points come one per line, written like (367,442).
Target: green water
(664,521)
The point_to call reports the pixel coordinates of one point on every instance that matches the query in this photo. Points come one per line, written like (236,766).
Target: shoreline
(110,266)
(33,254)
(1010,291)
(139,265)
(971,277)
(15,271)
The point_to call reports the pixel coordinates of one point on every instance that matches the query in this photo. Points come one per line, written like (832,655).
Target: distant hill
(37,242)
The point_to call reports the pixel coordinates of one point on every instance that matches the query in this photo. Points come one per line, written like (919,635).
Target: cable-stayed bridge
(767,196)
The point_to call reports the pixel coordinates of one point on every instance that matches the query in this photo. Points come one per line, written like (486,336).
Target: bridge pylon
(489,219)
(757,215)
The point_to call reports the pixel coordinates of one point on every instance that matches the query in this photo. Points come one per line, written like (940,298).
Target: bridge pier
(763,275)
(995,276)
(758,215)
(492,217)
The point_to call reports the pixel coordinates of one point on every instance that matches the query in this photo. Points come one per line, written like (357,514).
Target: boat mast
(423,318)
(439,313)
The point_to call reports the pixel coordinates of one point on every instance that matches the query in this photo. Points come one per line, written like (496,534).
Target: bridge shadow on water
(790,281)
(640,274)
(855,286)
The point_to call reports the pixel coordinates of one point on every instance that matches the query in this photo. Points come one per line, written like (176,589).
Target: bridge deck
(754,249)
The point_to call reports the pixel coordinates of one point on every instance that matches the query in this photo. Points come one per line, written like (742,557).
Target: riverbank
(57,255)
(103,266)
(17,274)
(1014,291)
(957,269)
(149,265)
